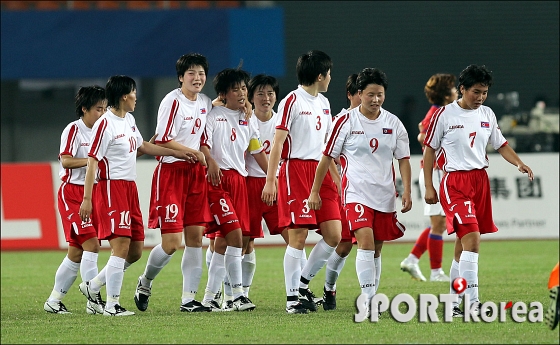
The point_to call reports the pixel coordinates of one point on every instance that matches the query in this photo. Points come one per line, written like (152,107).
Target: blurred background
(51,48)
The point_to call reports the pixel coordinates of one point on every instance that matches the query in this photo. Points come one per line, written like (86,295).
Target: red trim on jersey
(344,182)
(103,169)
(70,141)
(286,147)
(204,138)
(94,150)
(504,144)
(433,122)
(286,115)
(172,114)
(441,159)
(335,132)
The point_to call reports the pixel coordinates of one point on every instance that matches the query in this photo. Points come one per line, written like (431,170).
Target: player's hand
(218,102)
(526,170)
(268,195)
(214,173)
(153,139)
(314,201)
(201,158)
(85,210)
(247,109)
(431,195)
(188,156)
(406,202)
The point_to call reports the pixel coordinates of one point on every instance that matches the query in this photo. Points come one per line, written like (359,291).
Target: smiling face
(193,81)
(264,99)
(235,96)
(474,96)
(372,98)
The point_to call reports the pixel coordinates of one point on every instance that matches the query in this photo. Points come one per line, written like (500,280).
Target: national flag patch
(387,131)
(243,122)
(203,111)
(134,128)
(485,124)
(326,111)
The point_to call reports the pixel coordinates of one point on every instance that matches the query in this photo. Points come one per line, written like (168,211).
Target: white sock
(292,272)
(468,269)
(228,293)
(317,259)
(216,273)
(248,267)
(88,265)
(233,270)
(99,280)
(303,259)
(412,258)
(208,257)
(365,269)
(126,265)
(334,267)
(377,262)
(453,274)
(115,275)
(63,279)
(156,262)
(191,266)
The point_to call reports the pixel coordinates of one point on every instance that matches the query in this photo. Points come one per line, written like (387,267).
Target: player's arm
(269,190)
(152,140)
(155,150)
(314,200)
(509,155)
(335,175)
(69,162)
(406,173)
(214,173)
(172,144)
(431,195)
(86,207)
(262,161)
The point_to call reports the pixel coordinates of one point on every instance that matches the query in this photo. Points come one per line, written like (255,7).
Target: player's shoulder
(171,96)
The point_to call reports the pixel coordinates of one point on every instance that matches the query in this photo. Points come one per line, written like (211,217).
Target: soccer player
(178,203)
(83,245)
(440,91)
(303,121)
(460,133)
(227,137)
(553,311)
(112,160)
(338,257)
(366,140)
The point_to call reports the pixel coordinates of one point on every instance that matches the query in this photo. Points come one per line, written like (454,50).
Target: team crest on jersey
(203,111)
(134,128)
(387,131)
(243,122)
(485,124)
(326,111)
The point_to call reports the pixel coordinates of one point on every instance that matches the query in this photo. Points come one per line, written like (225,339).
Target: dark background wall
(409,41)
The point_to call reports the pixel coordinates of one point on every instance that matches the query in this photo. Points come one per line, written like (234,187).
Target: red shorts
(347,236)
(466,199)
(294,185)
(385,225)
(70,198)
(259,210)
(179,197)
(117,209)
(228,205)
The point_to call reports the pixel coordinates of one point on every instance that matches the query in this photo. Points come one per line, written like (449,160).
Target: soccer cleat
(194,307)
(413,269)
(55,308)
(457,312)
(439,277)
(117,310)
(95,302)
(228,305)
(553,312)
(213,305)
(329,299)
(142,295)
(96,308)
(297,308)
(242,303)
(307,299)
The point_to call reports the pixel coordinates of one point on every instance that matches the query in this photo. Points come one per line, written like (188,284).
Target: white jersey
(307,119)
(366,149)
(181,120)
(228,135)
(74,141)
(460,137)
(114,144)
(266,131)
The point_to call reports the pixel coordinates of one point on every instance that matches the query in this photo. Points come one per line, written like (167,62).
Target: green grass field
(508,270)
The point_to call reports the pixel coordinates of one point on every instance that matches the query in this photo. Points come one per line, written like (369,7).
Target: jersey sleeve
(402,150)
(287,110)
(426,121)
(336,137)
(255,145)
(69,141)
(206,137)
(497,139)
(100,140)
(165,127)
(435,130)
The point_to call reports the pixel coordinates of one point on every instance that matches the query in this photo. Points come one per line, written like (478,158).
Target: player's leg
(468,262)
(191,268)
(365,266)
(553,312)
(232,261)
(64,277)
(410,263)
(454,274)
(292,271)
(333,268)
(377,262)
(216,274)
(435,248)
(248,266)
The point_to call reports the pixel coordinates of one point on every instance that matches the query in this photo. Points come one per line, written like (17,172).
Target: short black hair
(472,75)
(87,97)
(118,86)
(351,86)
(371,76)
(190,60)
(262,80)
(310,65)
(229,78)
